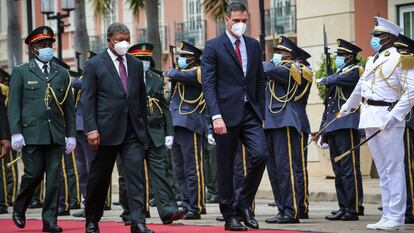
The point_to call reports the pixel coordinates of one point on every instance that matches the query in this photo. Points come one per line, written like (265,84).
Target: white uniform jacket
(383,80)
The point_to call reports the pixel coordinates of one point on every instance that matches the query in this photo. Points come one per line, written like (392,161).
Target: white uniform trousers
(387,149)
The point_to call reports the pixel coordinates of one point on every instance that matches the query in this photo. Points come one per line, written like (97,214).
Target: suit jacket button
(48,120)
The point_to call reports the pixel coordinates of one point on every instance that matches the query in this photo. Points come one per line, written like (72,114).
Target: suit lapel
(249,53)
(132,70)
(111,67)
(34,68)
(230,49)
(53,71)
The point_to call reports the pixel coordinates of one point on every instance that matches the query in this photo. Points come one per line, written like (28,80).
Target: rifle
(172,47)
(328,72)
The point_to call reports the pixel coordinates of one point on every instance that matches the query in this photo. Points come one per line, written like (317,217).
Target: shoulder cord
(303,92)
(341,96)
(271,86)
(49,89)
(199,100)
(151,102)
(381,73)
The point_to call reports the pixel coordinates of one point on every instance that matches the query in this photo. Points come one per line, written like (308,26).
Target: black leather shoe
(234,225)
(203,211)
(51,227)
(147,214)
(350,217)
(80,214)
(35,205)
(303,215)
(220,218)
(274,219)
(248,219)
(284,219)
(140,228)
(334,211)
(92,227)
(63,213)
(409,219)
(336,216)
(173,217)
(74,206)
(380,208)
(116,203)
(191,216)
(19,220)
(272,204)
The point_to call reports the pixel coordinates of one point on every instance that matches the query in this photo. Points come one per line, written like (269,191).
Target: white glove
(211,139)
(17,142)
(169,141)
(318,81)
(322,145)
(70,144)
(389,122)
(343,112)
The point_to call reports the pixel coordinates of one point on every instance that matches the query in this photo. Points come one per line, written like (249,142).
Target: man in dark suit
(115,115)
(233,85)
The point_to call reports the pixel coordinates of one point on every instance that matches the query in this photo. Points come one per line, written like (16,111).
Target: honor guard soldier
(11,171)
(342,135)
(385,89)
(42,122)
(300,102)
(4,150)
(187,108)
(282,128)
(160,133)
(405,47)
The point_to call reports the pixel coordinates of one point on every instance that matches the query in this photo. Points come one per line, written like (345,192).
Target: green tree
(217,8)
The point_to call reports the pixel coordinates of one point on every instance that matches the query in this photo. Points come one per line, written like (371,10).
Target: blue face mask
(276,58)
(376,43)
(182,62)
(45,54)
(340,62)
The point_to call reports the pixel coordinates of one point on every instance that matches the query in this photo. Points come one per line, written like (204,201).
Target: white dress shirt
(243,50)
(41,64)
(116,62)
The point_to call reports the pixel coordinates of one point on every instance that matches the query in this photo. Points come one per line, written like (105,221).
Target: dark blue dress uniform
(188,109)
(406,48)
(283,129)
(300,102)
(343,135)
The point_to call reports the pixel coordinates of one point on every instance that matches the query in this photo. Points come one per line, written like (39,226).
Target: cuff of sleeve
(94,131)
(218,116)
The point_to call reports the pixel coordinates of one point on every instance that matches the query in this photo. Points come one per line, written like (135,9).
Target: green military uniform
(41,109)
(159,127)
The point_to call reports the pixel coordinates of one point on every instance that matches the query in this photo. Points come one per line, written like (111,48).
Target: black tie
(45,70)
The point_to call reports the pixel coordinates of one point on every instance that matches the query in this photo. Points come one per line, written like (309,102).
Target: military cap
(141,50)
(283,43)
(344,46)
(4,73)
(404,42)
(187,48)
(304,56)
(40,33)
(384,26)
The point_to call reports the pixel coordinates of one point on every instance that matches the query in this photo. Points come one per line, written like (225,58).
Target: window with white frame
(194,14)
(406,19)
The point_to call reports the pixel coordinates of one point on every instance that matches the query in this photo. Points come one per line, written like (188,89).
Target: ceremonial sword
(343,155)
(15,160)
(321,131)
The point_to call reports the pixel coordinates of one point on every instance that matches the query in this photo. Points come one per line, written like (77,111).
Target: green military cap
(39,34)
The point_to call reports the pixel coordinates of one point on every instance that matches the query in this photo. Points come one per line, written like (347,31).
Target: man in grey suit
(115,110)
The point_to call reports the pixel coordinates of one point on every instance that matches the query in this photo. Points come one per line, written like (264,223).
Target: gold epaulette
(199,74)
(295,73)
(361,70)
(351,68)
(307,73)
(407,62)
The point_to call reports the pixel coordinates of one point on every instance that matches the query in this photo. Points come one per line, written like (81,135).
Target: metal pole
(59,34)
(29,20)
(262,28)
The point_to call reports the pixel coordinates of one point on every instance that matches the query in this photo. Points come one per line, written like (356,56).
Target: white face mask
(121,48)
(238,29)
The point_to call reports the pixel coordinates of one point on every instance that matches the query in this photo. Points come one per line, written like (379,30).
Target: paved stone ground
(316,223)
